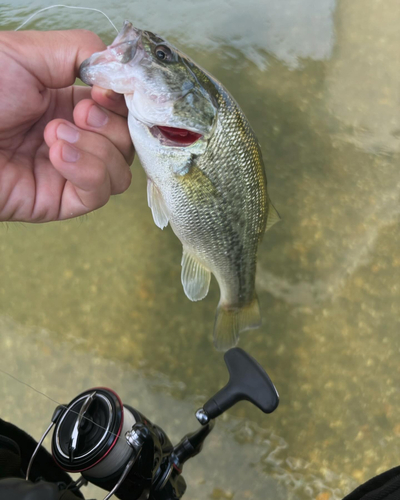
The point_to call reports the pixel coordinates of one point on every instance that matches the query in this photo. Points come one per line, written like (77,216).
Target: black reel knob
(248,381)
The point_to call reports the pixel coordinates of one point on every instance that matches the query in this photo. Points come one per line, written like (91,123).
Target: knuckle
(121,183)
(44,213)
(103,149)
(125,181)
(90,37)
(111,155)
(98,176)
(103,200)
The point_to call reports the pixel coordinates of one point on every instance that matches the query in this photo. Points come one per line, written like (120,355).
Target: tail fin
(229,322)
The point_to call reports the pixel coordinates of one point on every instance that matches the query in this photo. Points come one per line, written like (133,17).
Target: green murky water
(99,301)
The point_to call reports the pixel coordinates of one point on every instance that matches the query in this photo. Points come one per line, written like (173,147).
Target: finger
(106,98)
(90,116)
(54,56)
(110,100)
(78,147)
(88,185)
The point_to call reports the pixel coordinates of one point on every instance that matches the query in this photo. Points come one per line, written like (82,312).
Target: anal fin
(230,321)
(157,205)
(195,277)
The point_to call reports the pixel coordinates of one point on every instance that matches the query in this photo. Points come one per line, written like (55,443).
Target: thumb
(52,57)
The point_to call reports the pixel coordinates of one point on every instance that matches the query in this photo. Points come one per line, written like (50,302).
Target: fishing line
(53,400)
(27,385)
(67,7)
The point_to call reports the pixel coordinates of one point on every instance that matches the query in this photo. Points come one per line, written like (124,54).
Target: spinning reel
(118,449)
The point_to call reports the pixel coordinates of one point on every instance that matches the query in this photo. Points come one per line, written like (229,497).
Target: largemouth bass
(204,168)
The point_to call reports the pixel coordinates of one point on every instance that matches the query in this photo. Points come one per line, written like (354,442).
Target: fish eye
(163,53)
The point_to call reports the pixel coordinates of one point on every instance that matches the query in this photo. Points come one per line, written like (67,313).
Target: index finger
(110,100)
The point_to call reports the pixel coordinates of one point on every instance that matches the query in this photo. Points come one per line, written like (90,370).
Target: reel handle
(248,381)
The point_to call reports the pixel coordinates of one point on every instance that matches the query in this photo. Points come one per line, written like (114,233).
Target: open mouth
(171,136)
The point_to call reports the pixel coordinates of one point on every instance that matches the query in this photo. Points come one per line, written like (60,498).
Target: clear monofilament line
(67,7)
(30,387)
(55,401)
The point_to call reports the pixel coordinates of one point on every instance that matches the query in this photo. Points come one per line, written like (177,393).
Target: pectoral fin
(273,216)
(157,205)
(195,277)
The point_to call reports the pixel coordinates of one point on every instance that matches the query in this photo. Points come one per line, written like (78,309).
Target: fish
(204,167)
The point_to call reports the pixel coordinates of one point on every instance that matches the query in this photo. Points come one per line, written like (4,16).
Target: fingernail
(67,133)
(96,117)
(69,153)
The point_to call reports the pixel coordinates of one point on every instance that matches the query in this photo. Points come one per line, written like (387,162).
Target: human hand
(64,149)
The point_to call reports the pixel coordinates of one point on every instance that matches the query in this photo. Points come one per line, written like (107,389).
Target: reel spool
(87,435)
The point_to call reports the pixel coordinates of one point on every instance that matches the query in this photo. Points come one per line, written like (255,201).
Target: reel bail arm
(55,417)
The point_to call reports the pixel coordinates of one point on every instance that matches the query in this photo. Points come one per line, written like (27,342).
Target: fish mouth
(172,136)
(109,68)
